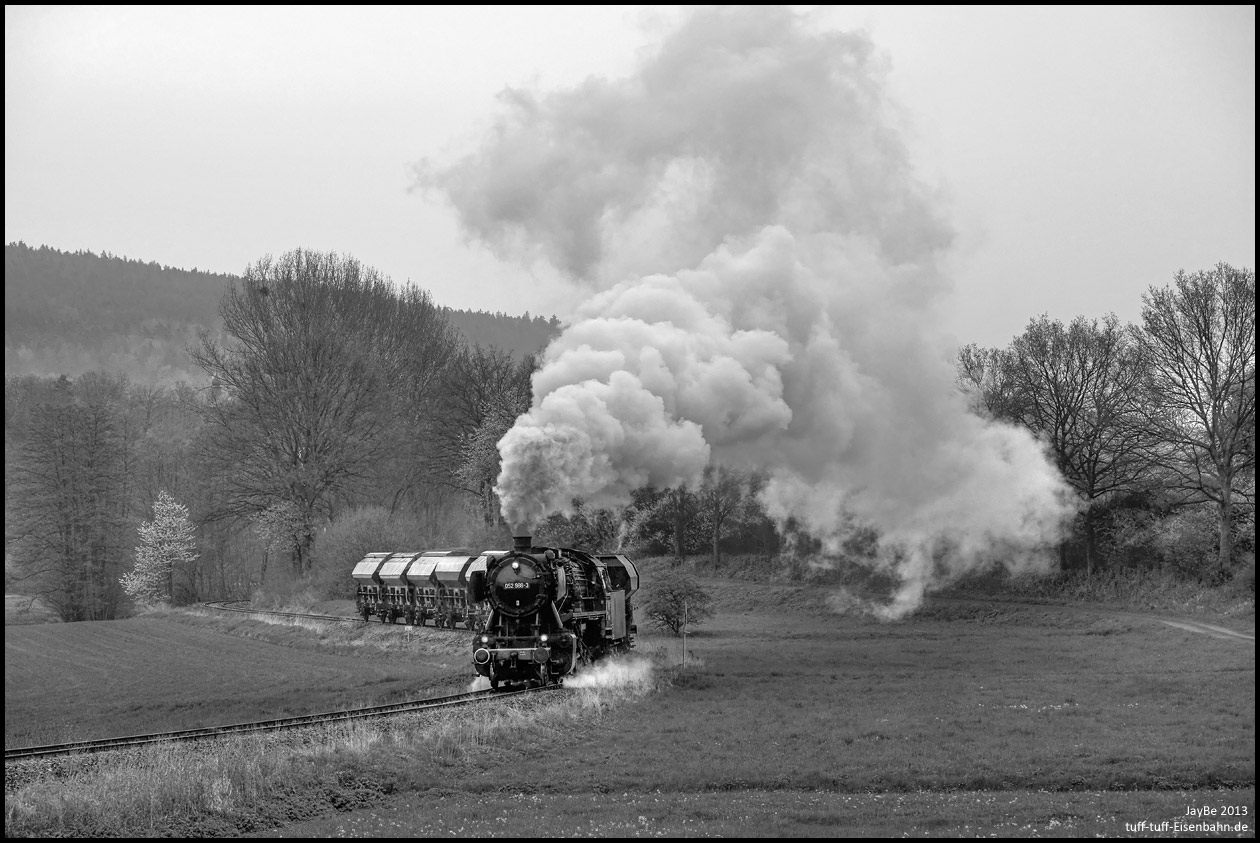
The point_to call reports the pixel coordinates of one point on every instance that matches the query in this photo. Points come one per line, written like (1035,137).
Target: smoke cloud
(764,294)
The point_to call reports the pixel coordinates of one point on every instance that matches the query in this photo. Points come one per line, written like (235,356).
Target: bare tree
(484,392)
(476,399)
(679,504)
(479,459)
(67,523)
(663,520)
(983,378)
(720,497)
(1078,388)
(1200,335)
(329,362)
(675,601)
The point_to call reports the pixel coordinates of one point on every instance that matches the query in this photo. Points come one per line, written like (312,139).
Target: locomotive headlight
(516,566)
(543,638)
(485,639)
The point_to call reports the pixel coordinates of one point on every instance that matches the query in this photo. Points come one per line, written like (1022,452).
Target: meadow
(964,719)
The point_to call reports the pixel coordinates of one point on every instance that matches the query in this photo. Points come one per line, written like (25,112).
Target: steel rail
(276,725)
(227,606)
(235,606)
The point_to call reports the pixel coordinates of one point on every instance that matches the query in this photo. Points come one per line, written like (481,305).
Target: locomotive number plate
(517,584)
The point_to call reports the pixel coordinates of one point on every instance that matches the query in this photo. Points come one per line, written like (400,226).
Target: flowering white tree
(165,542)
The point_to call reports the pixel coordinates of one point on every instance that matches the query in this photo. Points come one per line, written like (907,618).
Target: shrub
(1183,542)
(351,537)
(674,601)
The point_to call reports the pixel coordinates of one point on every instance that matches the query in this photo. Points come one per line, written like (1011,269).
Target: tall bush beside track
(354,534)
(674,600)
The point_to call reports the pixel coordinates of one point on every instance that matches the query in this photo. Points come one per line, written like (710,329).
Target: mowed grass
(187,669)
(962,720)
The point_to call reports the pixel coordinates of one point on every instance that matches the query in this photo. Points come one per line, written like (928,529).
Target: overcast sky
(1081,154)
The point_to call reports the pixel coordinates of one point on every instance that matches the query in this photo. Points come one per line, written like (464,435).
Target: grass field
(964,719)
(178,670)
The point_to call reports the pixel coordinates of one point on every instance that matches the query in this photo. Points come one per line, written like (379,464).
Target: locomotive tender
(551,610)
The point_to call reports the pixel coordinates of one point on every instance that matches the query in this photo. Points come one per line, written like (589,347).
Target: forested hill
(520,335)
(75,312)
(49,291)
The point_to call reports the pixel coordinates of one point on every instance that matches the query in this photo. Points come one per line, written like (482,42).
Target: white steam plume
(765,268)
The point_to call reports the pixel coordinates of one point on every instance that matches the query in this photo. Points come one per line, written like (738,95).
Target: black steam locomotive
(551,609)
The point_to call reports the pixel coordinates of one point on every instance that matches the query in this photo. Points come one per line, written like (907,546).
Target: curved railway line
(275,725)
(453,700)
(243,608)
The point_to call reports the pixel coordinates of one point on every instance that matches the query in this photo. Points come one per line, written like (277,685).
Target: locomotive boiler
(551,610)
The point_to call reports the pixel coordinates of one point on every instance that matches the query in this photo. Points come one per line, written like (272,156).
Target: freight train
(539,612)
(418,588)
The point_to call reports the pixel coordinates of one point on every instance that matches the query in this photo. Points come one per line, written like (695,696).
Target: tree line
(339,414)
(327,392)
(1152,425)
(77,312)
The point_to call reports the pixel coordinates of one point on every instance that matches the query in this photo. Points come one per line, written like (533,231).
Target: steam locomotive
(551,610)
(539,612)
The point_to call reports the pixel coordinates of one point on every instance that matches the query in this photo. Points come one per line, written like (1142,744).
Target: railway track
(244,608)
(281,724)
(276,725)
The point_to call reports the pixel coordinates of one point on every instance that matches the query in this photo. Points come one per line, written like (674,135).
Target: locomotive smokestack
(522,543)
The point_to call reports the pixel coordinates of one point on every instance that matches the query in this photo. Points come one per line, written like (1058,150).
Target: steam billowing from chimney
(764,283)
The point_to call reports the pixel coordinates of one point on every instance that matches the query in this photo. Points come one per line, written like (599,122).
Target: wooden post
(684,632)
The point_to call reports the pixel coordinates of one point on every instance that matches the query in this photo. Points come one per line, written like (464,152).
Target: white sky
(1083,153)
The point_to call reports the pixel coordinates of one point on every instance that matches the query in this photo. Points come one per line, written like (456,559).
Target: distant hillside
(75,312)
(519,334)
